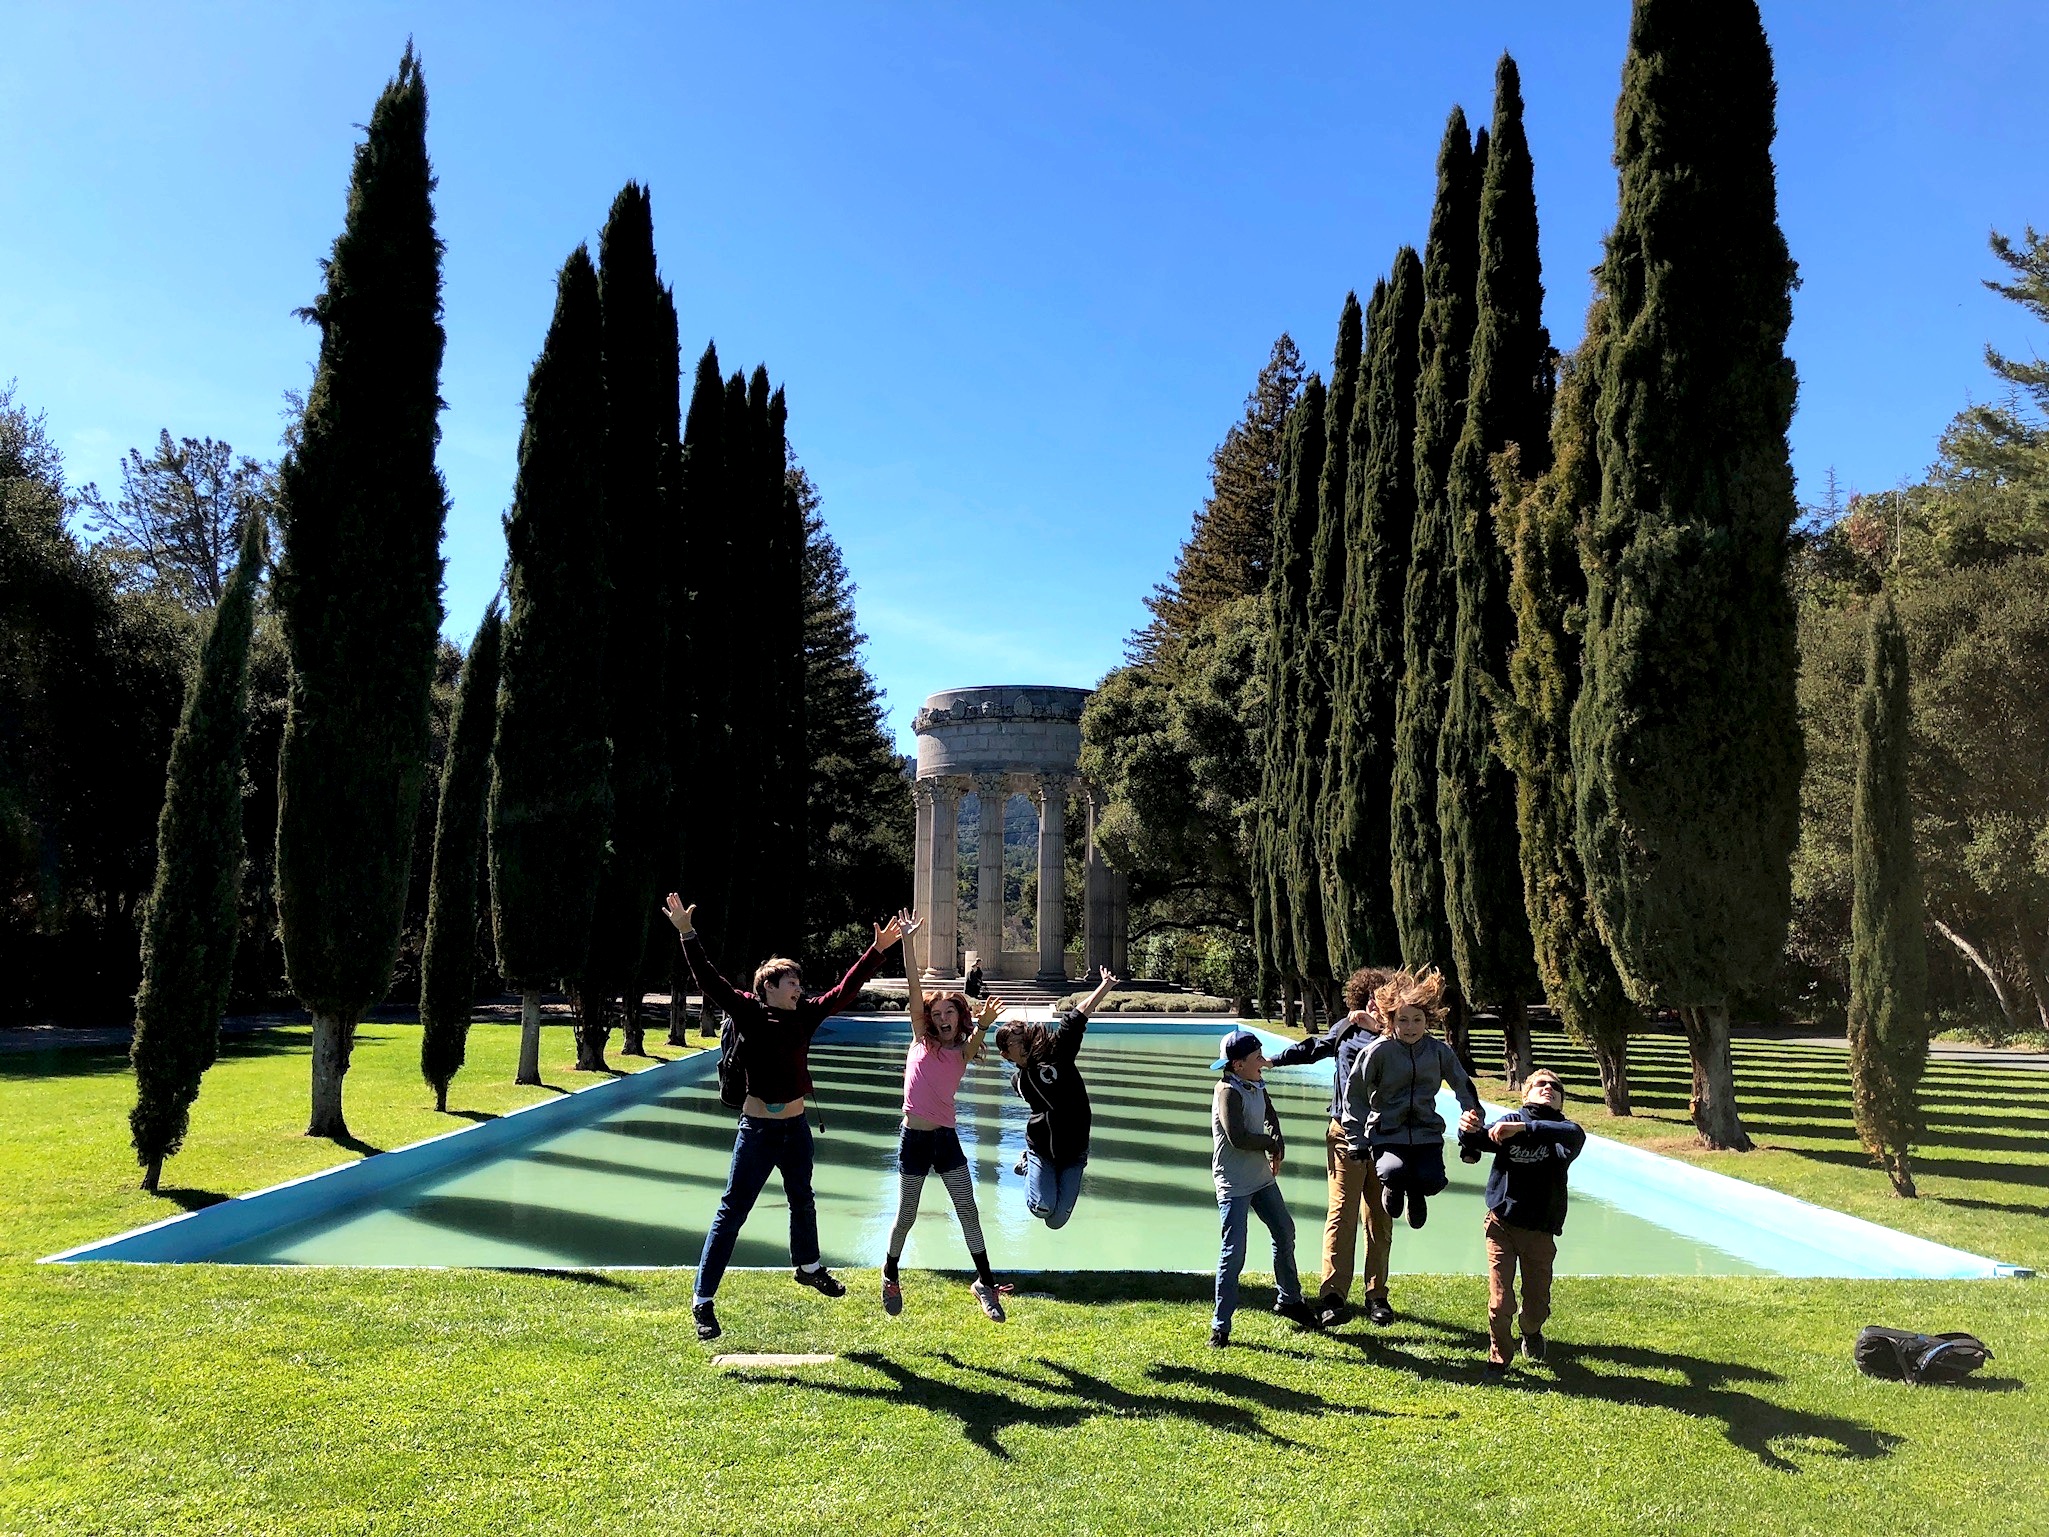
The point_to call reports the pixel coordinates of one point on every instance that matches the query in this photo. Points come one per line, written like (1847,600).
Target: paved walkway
(1947,1051)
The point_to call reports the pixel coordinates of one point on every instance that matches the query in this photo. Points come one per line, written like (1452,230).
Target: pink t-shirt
(932,1076)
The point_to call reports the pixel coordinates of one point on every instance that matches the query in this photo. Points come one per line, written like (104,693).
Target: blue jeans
(1050,1193)
(1414,1168)
(1272,1208)
(760,1146)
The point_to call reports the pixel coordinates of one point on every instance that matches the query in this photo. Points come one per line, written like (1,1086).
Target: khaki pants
(1506,1248)
(1354,1192)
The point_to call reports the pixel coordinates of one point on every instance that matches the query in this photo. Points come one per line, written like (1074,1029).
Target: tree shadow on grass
(988,1401)
(472,1115)
(578,1277)
(1635,1376)
(354,1144)
(192,1200)
(1971,1203)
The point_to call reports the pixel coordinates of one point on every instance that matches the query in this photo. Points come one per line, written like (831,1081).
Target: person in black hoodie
(1057,1135)
(1525,1210)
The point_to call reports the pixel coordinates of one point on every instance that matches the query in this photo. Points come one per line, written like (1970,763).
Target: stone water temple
(993,742)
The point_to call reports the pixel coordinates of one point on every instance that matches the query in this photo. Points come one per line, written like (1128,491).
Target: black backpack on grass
(732,1065)
(1918,1358)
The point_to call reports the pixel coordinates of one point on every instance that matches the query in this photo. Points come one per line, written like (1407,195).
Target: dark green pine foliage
(1380,514)
(1444,344)
(675,700)
(551,798)
(1316,667)
(781,604)
(189,926)
(359,591)
(1508,400)
(637,638)
(1548,591)
(1888,950)
(1686,738)
(1281,819)
(734,934)
(448,991)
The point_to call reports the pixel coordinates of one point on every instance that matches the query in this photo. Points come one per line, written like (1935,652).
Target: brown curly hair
(1363,984)
(1033,1039)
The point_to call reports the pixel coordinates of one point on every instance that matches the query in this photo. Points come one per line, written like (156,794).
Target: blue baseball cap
(1236,1047)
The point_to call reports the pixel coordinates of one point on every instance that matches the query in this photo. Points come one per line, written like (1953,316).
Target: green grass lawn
(220,1399)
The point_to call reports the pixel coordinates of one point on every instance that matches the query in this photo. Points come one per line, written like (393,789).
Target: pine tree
(1548,591)
(1686,737)
(1888,953)
(637,637)
(675,700)
(1507,401)
(1380,498)
(1316,668)
(1287,602)
(448,959)
(189,927)
(1444,345)
(359,590)
(783,596)
(551,798)
(733,936)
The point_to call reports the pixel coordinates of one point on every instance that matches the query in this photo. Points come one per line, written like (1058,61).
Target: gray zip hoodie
(1392,1093)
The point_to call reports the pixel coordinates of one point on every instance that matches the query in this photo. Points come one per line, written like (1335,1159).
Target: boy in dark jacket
(1525,1210)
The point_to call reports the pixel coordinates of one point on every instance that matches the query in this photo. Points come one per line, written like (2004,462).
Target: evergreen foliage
(359,590)
(551,798)
(632,327)
(1540,527)
(1287,608)
(188,932)
(1380,513)
(699,725)
(2009,442)
(1888,955)
(1444,344)
(1226,553)
(784,860)
(1507,401)
(448,958)
(1686,740)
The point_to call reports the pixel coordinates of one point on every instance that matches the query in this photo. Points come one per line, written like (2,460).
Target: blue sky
(1016,266)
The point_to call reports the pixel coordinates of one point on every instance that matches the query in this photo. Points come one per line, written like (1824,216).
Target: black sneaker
(1378,1310)
(706,1320)
(1419,1210)
(1533,1346)
(822,1281)
(1219,1338)
(1390,1200)
(1494,1371)
(1331,1314)
(1297,1312)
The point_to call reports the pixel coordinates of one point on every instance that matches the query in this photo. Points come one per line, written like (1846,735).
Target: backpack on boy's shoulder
(1918,1358)
(732,1065)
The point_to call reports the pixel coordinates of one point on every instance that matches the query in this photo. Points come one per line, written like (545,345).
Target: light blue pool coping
(1750,1221)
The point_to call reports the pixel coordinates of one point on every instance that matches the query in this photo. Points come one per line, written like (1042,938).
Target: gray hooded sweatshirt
(1392,1093)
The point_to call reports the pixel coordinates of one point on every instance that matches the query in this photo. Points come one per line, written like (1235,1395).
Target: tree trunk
(151,1174)
(1241,1005)
(679,999)
(2031,972)
(1902,1175)
(1714,1078)
(334,1036)
(529,1037)
(1287,1003)
(2004,991)
(632,1028)
(1517,1055)
(1611,1059)
(1458,1031)
(441,1098)
(593,1030)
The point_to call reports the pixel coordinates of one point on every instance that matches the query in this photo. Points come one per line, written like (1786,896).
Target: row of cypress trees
(632,719)
(1531,659)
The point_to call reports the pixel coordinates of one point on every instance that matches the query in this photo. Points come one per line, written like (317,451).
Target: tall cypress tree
(1548,591)
(551,797)
(1316,665)
(675,699)
(1295,520)
(448,992)
(1507,401)
(188,929)
(1444,345)
(734,879)
(1686,737)
(637,638)
(782,604)
(359,591)
(1380,501)
(1888,952)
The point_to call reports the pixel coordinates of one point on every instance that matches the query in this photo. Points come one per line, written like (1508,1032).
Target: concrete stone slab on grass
(773,1360)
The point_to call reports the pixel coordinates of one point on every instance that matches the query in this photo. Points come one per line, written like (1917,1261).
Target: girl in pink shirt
(945,1038)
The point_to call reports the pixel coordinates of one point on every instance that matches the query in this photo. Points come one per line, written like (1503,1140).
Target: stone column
(942,954)
(921,881)
(1095,900)
(1052,790)
(991,791)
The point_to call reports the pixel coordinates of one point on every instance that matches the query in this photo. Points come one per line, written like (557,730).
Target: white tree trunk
(529,1038)
(2009,1001)
(1714,1078)
(334,1036)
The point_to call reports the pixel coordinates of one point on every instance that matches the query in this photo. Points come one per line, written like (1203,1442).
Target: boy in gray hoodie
(1390,1111)
(1245,1162)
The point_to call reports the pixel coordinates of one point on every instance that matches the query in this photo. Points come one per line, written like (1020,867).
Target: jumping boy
(1245,1161)
(1525,1210)
(1390,1110)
